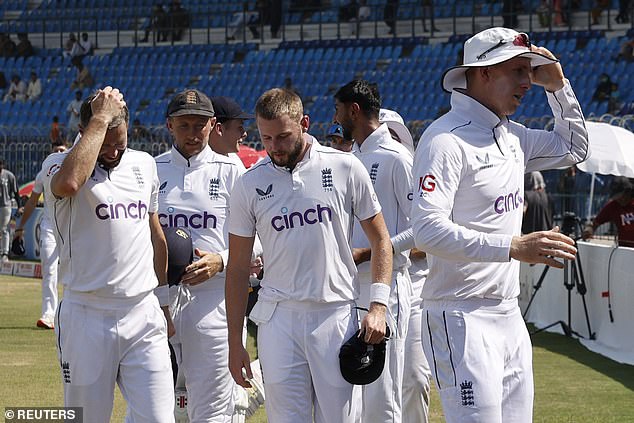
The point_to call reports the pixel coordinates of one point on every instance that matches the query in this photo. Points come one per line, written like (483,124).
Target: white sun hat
(395,123)
(490,47)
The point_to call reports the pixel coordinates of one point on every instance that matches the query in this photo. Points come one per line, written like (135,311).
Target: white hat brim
(403,134)
(455,77)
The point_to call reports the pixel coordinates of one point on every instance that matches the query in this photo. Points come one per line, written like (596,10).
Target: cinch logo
(180,220)
(427,183)
(120,211)
(293,219)
(507,203)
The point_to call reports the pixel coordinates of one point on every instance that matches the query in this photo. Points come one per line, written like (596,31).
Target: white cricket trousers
(416,374)
(48,257)
(202,350)
(383,398)
(481,358)
(299,353)
(5,219)
(101,342)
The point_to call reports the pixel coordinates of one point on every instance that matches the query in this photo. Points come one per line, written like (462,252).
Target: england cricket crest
(374,169)
(326,179)
(214,188)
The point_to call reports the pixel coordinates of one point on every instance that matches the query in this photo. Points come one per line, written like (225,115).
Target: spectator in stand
(389,15)
(179,20)
(55,134)
(84,78)
(17,89)
(24,47)
(627,51)
(597,10)
(86,45)
(69,45)
(614,101)
(428,13)
(619,211)
(567,189)
(275,14)
(156,23)
(604,88)
(509,13)
(7,46)
(348,12)
(624,12)
(3,83)
(34,88)
(288,85)
(139,132)
(244,18)
(73,115)
(538,207)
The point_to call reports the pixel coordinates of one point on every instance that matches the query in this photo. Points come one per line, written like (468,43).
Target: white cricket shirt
(469,172)
(304,219)
(103,231)
(194,193)
(389,165)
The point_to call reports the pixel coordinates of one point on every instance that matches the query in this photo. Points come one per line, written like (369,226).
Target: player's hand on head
(543,247)
(107,104)
(373,324)
(551,77)
(240,366)
(202,269)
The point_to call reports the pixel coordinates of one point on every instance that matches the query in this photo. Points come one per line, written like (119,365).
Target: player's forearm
(159,245)
(80,162)
(28,208)
(236,295)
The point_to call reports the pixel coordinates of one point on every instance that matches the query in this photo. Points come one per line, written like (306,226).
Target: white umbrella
(612,150)
(611,153)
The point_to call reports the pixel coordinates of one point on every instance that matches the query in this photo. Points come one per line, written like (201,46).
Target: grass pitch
(572,384)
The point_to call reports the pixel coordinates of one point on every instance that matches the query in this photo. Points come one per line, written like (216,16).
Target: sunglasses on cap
(520,40)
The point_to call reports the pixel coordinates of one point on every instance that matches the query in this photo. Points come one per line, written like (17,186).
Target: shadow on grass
(574,350)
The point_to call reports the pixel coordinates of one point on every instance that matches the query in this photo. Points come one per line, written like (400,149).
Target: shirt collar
(477,112)
(381,135)
(200,159)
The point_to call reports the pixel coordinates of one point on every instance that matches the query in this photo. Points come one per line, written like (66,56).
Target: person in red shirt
(619,210)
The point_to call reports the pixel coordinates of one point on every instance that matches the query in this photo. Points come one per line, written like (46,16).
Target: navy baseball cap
(335,131)
(180,253)
(362,363)
(190,102)
(227,108)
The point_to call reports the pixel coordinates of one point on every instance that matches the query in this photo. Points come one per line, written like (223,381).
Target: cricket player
(389,165)
(467,215)
(48,249)
(302,201)
(195,188)
(110,327)
(228,132)
(416,373)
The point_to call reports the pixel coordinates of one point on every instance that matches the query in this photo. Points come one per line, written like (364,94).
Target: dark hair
(85,113)
(364,93)
(55,119)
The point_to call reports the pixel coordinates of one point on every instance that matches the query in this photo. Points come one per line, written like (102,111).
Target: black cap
(226,108)
(620,185)
(190,102)
(361,363)
(17,247)
(180,253)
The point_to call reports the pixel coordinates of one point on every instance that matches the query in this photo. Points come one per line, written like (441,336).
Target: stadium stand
(315,50)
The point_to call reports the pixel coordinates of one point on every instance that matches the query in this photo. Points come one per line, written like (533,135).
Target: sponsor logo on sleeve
(162,187)
(53,169)
(426,184)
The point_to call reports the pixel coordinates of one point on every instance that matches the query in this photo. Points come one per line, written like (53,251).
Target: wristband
(162,292)
(380,293)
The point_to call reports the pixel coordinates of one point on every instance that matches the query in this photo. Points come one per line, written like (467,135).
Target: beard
(292,157)
(108,165)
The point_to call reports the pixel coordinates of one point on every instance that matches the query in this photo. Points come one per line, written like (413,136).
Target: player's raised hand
(551,77)
(206,267)
(543,247)
(107,104)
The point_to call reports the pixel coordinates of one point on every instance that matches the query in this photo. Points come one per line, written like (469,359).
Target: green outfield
(572,384)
